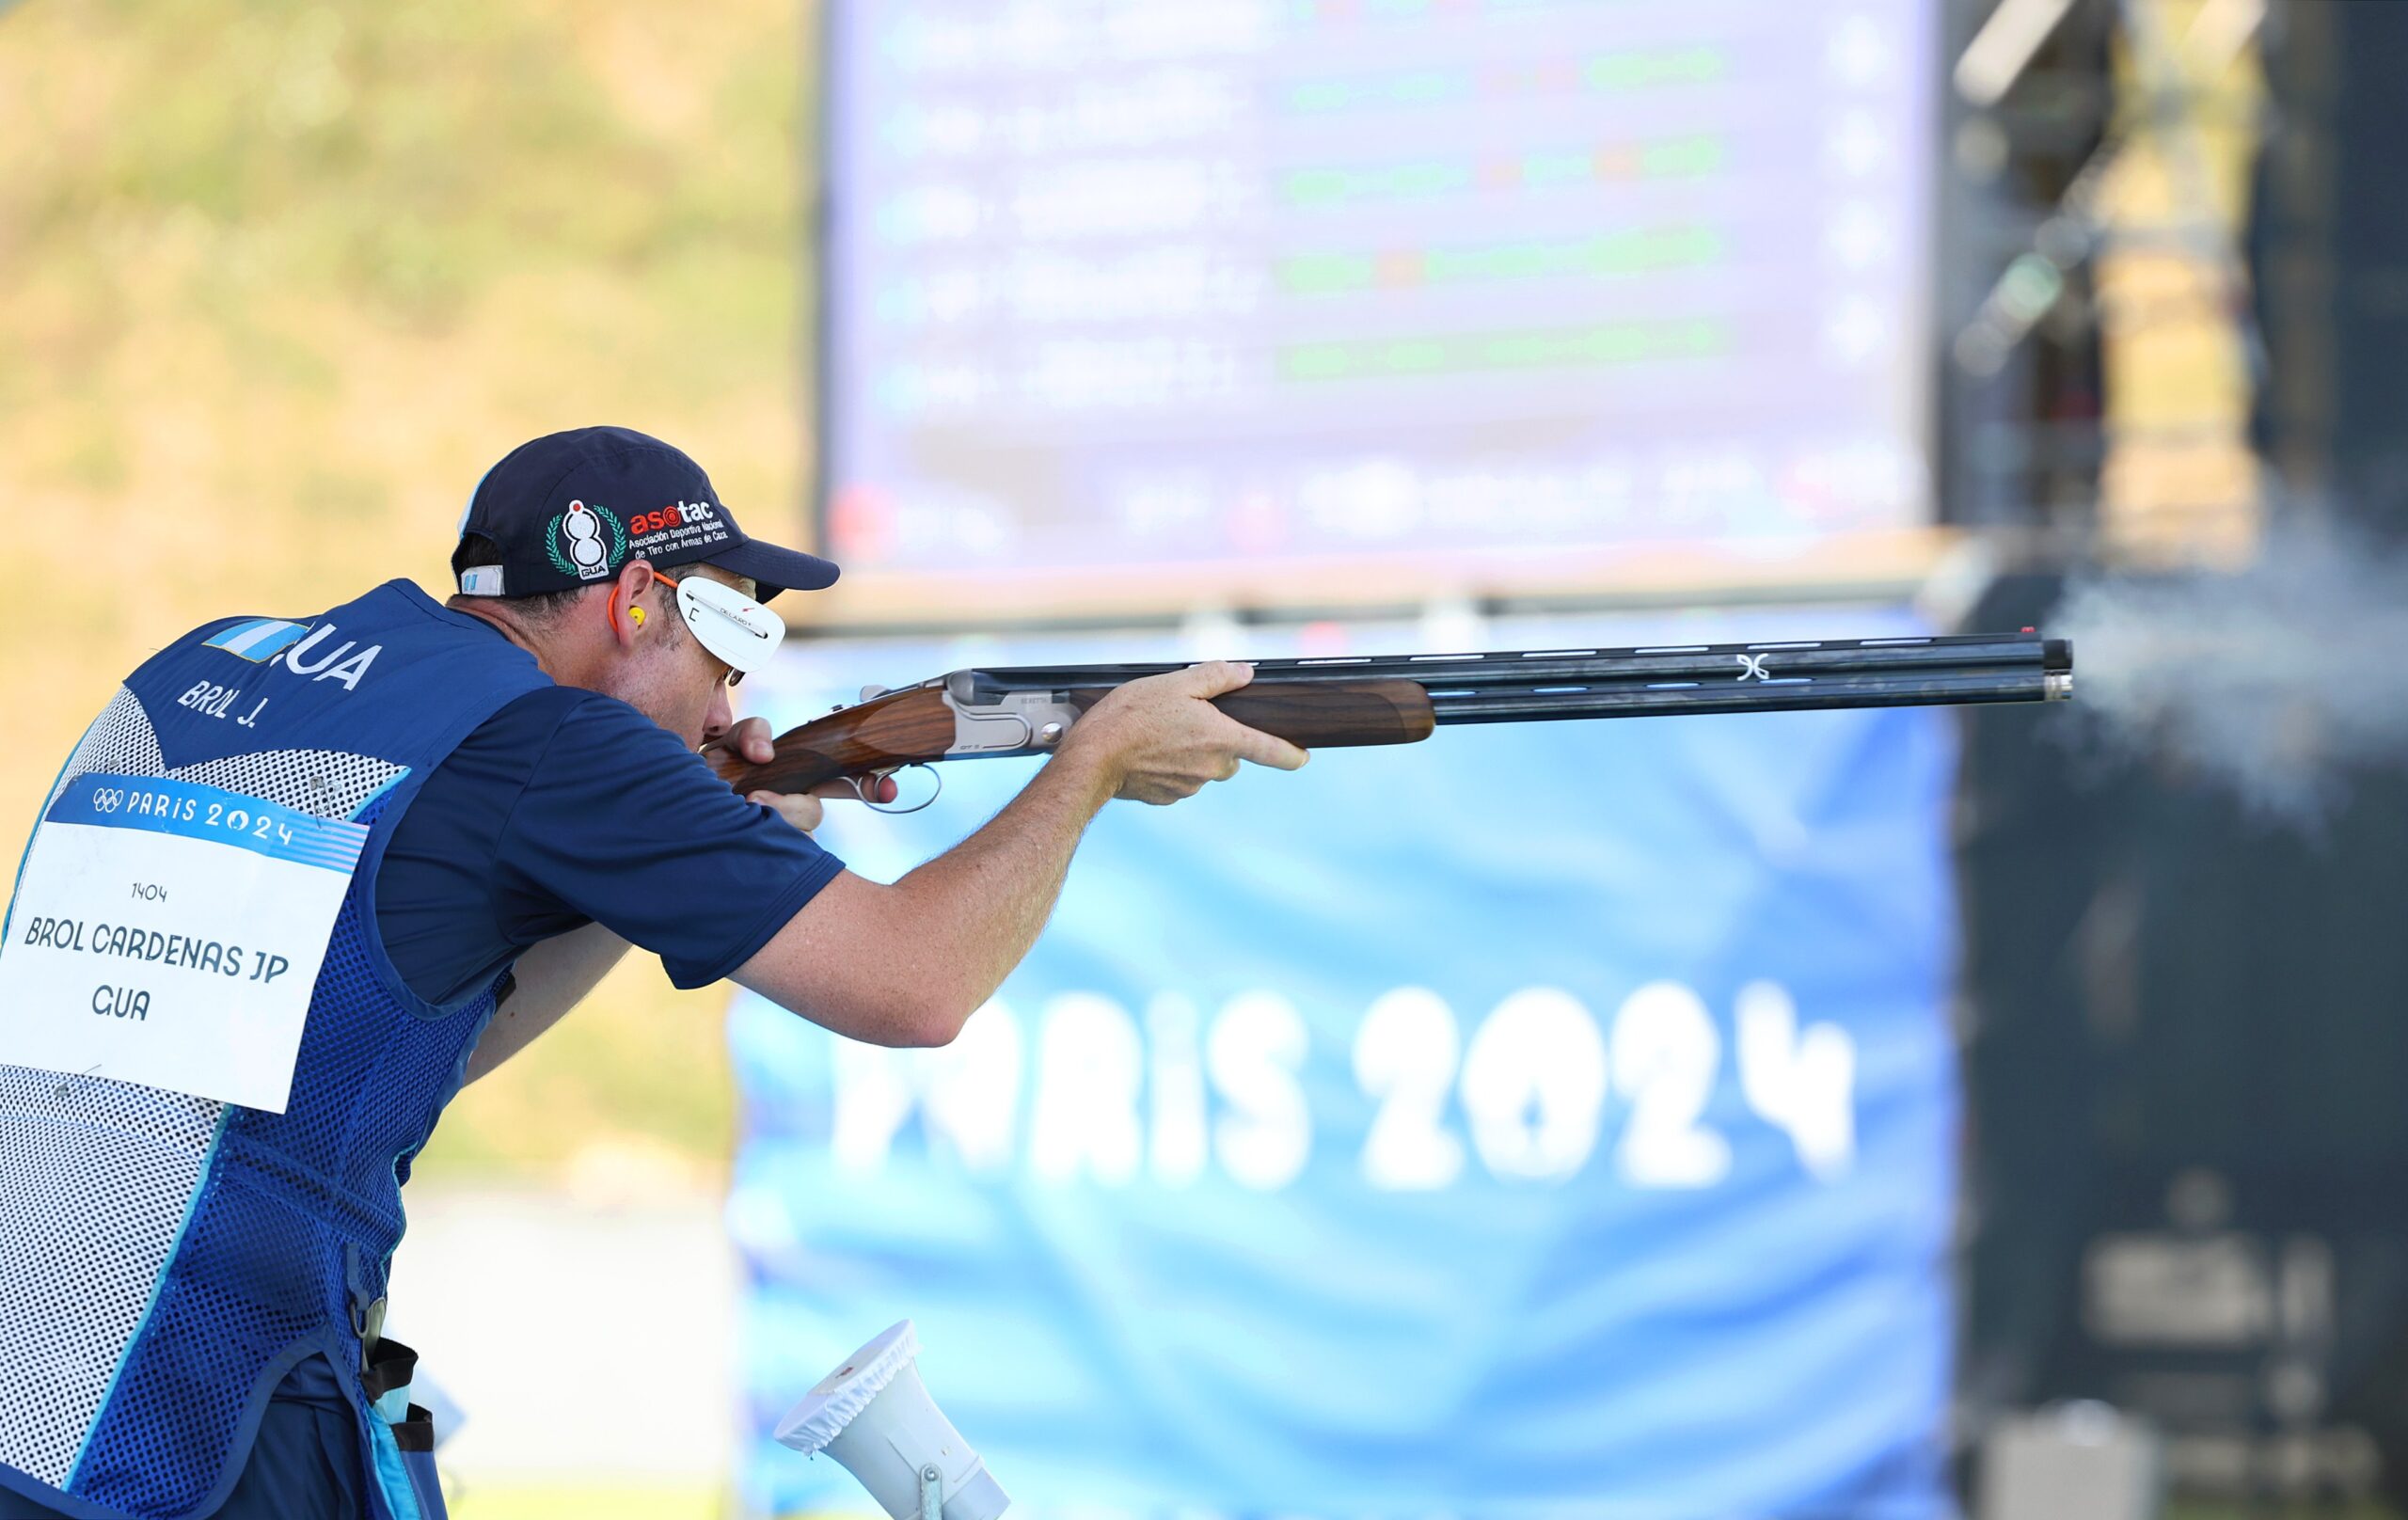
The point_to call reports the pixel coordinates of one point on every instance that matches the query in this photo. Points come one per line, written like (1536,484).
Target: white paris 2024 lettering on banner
(1115,1098)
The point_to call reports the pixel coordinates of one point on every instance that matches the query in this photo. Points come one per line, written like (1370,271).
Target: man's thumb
(1215,676)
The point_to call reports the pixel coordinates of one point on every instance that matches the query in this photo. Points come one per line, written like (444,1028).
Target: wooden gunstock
(1323,715)
(884,732)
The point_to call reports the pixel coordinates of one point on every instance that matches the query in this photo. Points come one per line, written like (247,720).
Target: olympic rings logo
(107,798)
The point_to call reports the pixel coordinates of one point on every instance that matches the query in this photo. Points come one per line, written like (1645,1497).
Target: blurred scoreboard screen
(1172,285)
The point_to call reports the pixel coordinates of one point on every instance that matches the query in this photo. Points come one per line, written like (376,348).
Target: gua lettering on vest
(319,656)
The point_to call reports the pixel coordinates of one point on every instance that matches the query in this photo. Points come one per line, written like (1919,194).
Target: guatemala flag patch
(261,638)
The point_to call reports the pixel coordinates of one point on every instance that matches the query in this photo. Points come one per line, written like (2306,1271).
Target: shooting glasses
(738,630)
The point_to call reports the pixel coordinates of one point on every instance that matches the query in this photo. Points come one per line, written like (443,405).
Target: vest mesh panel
(88,1215)
(120,742)
(86,1220)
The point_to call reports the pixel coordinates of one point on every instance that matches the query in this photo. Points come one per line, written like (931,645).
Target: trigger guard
(869,798)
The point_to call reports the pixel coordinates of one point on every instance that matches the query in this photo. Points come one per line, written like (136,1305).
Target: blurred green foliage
(278,281)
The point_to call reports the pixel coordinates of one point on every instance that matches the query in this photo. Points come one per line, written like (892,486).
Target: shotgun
(1354,700)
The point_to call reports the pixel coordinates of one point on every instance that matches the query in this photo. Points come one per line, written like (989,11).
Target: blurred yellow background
(278,281)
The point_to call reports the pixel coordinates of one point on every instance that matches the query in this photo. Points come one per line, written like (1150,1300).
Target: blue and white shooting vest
(166,1258)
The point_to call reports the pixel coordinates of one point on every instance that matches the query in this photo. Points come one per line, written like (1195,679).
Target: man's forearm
(907,964)
(979,906)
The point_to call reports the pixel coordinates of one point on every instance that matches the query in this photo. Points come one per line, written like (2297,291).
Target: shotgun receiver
(1352,700)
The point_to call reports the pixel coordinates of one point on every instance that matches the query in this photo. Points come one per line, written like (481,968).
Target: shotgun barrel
(1533,686)
(1347,700)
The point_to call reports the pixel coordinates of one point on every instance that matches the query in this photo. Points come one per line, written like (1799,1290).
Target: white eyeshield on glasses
(731,625)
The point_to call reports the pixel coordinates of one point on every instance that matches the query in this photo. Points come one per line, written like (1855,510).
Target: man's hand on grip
(750,740)
(1161,738)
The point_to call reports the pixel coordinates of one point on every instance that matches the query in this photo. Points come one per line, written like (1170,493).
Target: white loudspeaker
(874,1415)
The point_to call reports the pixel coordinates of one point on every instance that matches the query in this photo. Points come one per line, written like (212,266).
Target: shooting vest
(166,1258)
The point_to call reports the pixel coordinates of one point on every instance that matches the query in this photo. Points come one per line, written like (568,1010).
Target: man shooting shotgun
(306,875)
(448,820)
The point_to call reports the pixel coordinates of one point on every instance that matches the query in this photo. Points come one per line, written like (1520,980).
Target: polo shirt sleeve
(621,824)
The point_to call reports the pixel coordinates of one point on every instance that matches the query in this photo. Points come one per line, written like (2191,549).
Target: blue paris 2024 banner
(1542,1120)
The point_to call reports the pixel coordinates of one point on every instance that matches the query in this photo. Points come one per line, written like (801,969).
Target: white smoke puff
(2275,681)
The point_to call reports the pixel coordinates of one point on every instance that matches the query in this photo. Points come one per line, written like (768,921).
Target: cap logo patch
(574,541)
(675,515)
(679,531)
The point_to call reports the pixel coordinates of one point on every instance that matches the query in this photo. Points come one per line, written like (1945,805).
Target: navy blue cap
(571,508)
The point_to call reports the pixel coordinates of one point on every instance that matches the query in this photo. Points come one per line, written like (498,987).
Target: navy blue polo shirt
(566,808)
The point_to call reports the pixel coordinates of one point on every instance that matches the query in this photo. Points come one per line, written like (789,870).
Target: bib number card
(170,934)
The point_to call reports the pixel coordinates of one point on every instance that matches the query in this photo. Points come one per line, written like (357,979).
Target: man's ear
(633,580)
